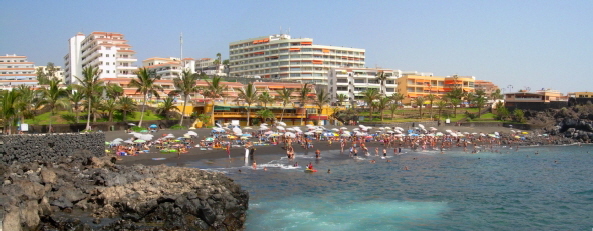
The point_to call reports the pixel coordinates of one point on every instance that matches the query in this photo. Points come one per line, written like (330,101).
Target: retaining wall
(49,147)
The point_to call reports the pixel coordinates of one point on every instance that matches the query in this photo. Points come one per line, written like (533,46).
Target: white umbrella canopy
(361,126)
(264,124)
(192,133)
(335,129)
(396,131)
(356,129)
(129,142)
(263,128)
(281,123)
(390,132)
(218,125)
(280,128)
(291,129)
(421,126)
(290,135)
(138,135)
(118,139)
(146,137)
(237,130)
(345,135)
(118,142)
(343,128)
(433,129)
(309,133)
(398,128)
(247,128)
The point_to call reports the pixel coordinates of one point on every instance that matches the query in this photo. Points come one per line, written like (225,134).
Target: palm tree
(304,96)
(185,86)
(496,95)
(88,82)
(392,109)
(249,96)
(265,114)
(382,104)
(145,84)
(441,104)
(54,97)
(322,98)
(382,77)
(370,95)
(126,104)
(9,110)
(265,98)
(455,97)
(431,98)
(26,102)
(227,67)
(284,95)
(218,60)
(166,106)
(214,90)
(341,98)
(113,90)
(420,102)
(109,105)
(397,98)
(76,98)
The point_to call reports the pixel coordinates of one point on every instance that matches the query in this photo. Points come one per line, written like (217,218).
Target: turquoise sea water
(517,190)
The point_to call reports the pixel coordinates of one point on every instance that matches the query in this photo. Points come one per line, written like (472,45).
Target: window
(389,89)
(342,88)
(359,81)
(342,80)
(295,75)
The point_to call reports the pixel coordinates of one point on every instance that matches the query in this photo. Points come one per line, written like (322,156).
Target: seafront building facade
(413,85)
(16,70)
(281,56)
(352,82)
(108,51)
(58,71)
(169,68)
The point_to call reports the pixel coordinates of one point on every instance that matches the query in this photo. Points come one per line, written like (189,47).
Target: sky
(515,44)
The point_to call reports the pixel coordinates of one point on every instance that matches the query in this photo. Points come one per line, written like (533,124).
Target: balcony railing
(254,115)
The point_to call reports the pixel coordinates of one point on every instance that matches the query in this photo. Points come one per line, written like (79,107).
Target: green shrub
(137,129)
(177,127)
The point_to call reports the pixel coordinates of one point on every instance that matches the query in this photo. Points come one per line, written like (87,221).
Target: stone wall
(105,126)
(49,147)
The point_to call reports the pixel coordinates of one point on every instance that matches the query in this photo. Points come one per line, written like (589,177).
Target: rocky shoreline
(93,193)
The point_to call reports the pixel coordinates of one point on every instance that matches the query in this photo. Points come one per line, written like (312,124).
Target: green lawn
(65,117)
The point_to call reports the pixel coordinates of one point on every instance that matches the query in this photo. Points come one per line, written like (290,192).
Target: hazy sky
(535,44)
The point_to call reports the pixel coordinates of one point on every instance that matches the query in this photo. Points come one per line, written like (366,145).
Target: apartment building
(106,50)
(413,85)
(353,82)
(280,56)
(208,66)
(169,68)
(16,67)
(486,86)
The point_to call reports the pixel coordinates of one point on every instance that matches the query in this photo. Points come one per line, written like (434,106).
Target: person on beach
(317,154)
(384,152)
(228,149)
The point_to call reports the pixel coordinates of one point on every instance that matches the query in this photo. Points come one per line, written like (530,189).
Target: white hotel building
(16,70)
(108,51)
(168,68)
(353,81)
(280,56)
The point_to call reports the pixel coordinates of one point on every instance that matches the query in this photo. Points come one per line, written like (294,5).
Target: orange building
(413,86)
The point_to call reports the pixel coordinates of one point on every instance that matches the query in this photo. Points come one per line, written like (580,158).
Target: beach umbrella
(421,126)
(280,128)
(263,128)
(356,129)
(153,126)
(237,130)
(335,129)
(247,128)
(218,125)
(274,134)
(146,137)
(309,133)
(396,131)
(232,137)
(137,135)
(466,133)
(448,131)
(139,141)
(268,132)
(281,123)
(187,136)
(129,142)
(496,133)
(118,139)
(391,132)
(144,131)
(263,124)
(318,131)
(345,135)
(209,138)
(525,133)
(116,142)
(192,133)
(244,138)
(169,136)
(398,128)
(106,143)
(439,134)
(388,128)
(246,135)
(343,128)
(290,129)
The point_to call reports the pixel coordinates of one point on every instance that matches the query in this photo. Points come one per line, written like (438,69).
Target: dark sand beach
(195,154)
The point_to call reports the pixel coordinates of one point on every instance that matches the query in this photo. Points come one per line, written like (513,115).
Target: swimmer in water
(372,161)
(317,154)
(296,164)
(328,171)
(388,161)
(265,169)
(254,165)
(406,168)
